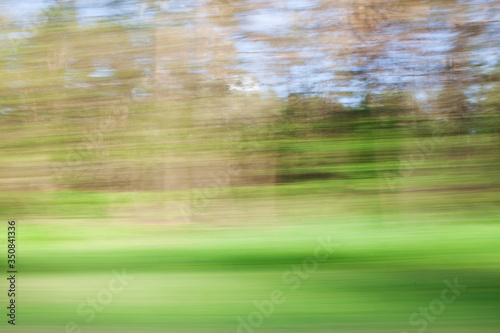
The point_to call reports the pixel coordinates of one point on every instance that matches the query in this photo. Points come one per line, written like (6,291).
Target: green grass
(201,278)
(394,249)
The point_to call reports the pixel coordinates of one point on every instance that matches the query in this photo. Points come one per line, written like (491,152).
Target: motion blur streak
(203,147)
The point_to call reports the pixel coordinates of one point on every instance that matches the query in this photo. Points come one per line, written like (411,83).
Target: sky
(274,18)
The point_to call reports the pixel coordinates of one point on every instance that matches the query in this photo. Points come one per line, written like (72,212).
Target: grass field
(194,277)
(421,256)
